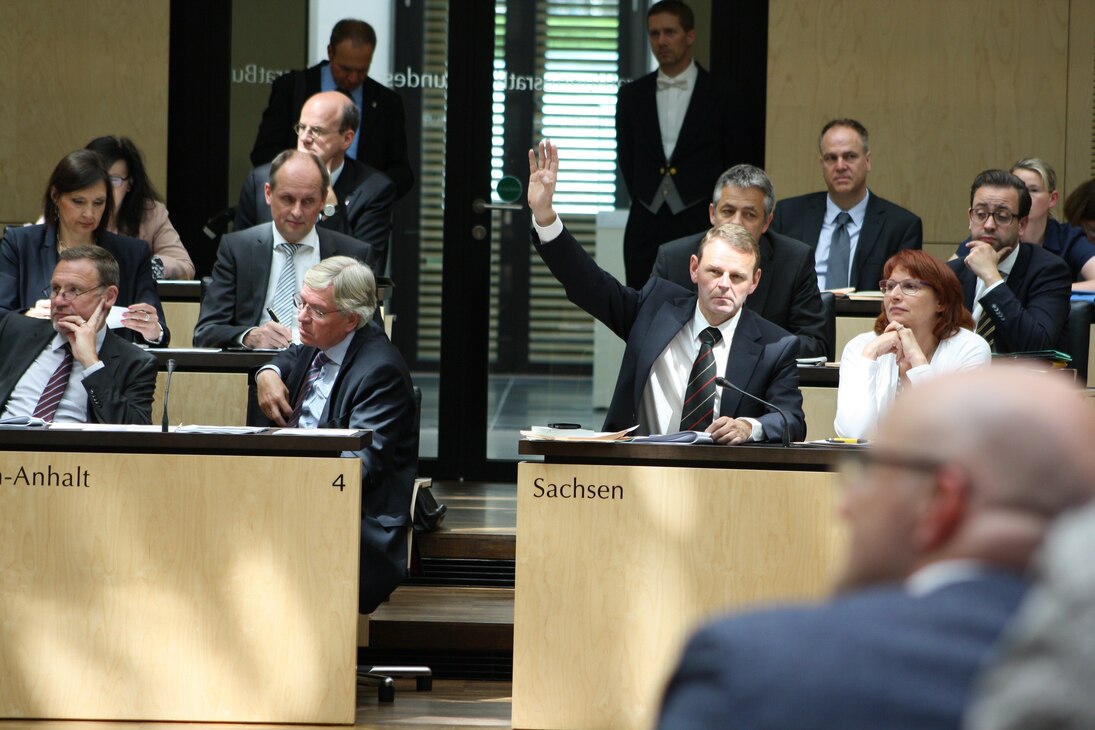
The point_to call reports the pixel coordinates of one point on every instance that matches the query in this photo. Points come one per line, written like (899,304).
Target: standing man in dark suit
(347,374)
(852,231)
(677,341)
(1017,292)
(381,140)
(259,269)
(944,511)
(674,136)
(359,201)
(787,293)
(71,367)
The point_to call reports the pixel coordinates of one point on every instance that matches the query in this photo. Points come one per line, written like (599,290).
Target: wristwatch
(329,210)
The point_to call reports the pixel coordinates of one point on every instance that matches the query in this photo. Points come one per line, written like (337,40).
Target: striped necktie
(986,328)
(55,388)
(306,388)
(287,285)
(698,411)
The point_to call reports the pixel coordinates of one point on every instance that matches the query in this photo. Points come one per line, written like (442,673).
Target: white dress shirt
(73,405)
(673,105)
(306,257)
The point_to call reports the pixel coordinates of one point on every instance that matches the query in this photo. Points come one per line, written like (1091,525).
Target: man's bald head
(969,466)
(327,125)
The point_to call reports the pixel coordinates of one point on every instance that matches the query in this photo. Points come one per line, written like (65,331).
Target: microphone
(167,390)
(724,383)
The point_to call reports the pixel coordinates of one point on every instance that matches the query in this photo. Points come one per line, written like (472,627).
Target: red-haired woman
(923,330)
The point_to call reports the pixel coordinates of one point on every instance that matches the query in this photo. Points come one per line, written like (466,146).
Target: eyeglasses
(118,181)
(69,294)
(854,466)
(909,287)
(301,305)
(317,132)
(1002,216)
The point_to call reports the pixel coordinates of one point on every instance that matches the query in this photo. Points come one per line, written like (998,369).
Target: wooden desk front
(177,586)
(623,549)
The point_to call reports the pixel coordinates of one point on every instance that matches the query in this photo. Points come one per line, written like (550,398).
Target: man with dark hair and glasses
(359,200)
(1017,292)
(71,368)
(944,512)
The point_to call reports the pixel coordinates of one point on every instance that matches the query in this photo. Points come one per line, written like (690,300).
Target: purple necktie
(55,388)
(306,389)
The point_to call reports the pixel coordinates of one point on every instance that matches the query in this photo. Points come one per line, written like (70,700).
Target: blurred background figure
(1080,208)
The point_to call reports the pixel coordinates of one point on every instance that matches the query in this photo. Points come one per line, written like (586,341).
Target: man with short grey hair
(787,294)
(346,373)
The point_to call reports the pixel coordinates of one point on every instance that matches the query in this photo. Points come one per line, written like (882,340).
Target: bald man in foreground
(944,512)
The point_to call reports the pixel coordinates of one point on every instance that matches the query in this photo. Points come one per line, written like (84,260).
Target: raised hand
(542,174)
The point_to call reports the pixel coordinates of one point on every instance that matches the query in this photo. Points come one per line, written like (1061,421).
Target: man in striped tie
(346,373)
(71,368)
(678,341)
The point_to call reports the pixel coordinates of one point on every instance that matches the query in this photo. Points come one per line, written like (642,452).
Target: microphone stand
(167,390)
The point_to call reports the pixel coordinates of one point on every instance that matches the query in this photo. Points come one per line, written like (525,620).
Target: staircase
(456,613)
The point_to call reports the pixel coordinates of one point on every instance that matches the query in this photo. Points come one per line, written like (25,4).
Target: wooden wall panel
(946,90)
(1080,164)
(71,72)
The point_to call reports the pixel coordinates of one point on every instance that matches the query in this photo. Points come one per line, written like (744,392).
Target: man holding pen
(259,269)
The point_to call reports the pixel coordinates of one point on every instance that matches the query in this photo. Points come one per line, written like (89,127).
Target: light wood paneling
(608,590)
(73,71)
(216,588)
(819,405)
(181,318)
(1079,165)
(946,89)
(207,399)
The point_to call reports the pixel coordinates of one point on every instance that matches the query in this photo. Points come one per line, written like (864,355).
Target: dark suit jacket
(762,355)
(120,392)
(382,138)
(787,294)
(877,658)
(372,391)
(365,197)
(1031,307)
(234,301)
(711,140)
(887,228)
(28,256)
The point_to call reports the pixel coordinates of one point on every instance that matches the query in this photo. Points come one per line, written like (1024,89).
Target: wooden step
(439,618)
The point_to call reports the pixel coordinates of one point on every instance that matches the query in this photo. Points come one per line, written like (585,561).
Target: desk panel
(178,587)
(609,586)
(208,399)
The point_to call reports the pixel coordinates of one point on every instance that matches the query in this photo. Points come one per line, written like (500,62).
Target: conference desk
(178,577)
(209,387)
(622,549)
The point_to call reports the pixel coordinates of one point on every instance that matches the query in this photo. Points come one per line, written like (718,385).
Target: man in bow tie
(674,137)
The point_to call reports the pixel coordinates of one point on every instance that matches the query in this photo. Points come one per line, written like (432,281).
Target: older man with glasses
(71,368)
(944,512)
(1017,292)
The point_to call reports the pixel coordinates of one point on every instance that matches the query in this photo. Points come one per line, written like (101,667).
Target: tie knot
(289,249)
(842,218)
(320,360)
(711,336)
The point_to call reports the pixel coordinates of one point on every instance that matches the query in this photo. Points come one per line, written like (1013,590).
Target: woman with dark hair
(139,211)
(923,330)
(76,207)
(1080,208)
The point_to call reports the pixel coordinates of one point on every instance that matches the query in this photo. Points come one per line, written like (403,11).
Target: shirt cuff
(275,368)
(94,369)
(758,429)
(549,232)
(988,289)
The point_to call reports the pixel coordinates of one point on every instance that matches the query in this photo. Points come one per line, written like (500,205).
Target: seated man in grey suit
(679,342)
(787,294)
(944,512)
(259,269)
(852,231)
(1018,293)
(71,367)
(347,374)
(359,201)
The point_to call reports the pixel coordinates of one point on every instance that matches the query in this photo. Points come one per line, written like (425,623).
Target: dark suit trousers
(646,231)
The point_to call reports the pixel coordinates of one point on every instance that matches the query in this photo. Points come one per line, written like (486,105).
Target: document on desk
(681,437)
(123,427)
(545,433)
(315,431)
(224,430)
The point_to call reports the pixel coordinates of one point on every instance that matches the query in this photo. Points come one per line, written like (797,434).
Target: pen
(847,441)
(273,315)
